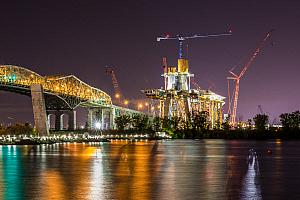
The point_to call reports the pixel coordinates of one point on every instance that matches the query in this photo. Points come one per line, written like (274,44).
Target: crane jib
(182,38)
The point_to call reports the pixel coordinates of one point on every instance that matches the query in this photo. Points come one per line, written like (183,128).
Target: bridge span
(58,96)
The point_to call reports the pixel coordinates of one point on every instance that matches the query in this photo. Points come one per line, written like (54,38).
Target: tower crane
(260,110)
(180,38)
(118,94)
(237,78)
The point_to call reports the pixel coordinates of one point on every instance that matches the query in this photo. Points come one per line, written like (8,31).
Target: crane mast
(237,78)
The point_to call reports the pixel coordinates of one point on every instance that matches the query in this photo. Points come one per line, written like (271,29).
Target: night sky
(82,37)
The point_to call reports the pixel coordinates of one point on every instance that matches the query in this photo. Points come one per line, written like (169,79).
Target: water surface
(175,169)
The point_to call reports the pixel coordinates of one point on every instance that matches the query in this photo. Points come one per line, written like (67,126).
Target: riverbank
(130,135)
(35,140)
(78,137)
(237,134)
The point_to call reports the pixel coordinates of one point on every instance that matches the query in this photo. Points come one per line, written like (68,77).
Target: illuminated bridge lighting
(69,88)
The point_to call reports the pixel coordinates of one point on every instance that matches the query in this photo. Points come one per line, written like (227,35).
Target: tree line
(17,129)
(197,125)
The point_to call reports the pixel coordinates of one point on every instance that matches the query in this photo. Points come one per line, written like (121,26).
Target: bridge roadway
(60,95)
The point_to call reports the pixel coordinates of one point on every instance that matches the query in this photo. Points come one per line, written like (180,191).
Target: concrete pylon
(167,107)
(94,116)
(112,114)
(72,119)
(39,110)
(59,120)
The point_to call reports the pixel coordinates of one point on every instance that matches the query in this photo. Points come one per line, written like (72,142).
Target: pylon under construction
(177,98)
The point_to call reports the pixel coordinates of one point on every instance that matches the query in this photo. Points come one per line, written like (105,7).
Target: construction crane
(260,110)
(180,38)
(165,66)
(118,94)
(237,78)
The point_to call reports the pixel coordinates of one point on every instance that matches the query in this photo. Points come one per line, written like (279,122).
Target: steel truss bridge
(60,93)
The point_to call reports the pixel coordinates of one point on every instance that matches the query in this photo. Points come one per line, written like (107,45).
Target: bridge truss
(61,92)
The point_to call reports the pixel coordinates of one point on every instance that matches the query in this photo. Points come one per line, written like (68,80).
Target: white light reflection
(97,181)
(251,186)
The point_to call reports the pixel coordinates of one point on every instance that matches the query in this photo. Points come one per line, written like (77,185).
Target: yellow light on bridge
(140,105)
(126,102)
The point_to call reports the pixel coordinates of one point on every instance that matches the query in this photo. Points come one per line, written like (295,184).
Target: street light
(148,108)
(98,125)
(140,106)
(126,102)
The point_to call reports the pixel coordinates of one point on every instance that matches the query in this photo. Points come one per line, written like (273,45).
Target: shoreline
(130,135)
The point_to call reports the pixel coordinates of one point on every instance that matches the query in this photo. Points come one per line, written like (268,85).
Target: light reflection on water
(180,169)
(251,185)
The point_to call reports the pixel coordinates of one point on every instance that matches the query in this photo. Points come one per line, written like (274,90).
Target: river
(173,169)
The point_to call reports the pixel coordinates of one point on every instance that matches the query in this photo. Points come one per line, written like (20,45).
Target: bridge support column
(59,119)
(90,119)
(72,119)
(104,116)
(95,115)
(39,110)
(112,118)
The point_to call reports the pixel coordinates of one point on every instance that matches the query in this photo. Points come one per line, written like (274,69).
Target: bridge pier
(101,116)
(112,118)
(39,110)
(59,123)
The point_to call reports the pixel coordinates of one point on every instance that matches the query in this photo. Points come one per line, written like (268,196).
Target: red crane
(118,94)
(237,78)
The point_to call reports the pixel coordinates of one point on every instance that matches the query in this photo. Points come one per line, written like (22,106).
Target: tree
(122,121)
(19,129)
(200,120)
(140,122)
(166,123)
(286,121)
(261,121)
(295,120)
(175,122)
(290,121)
(249,124)
(226,124)
(156,123)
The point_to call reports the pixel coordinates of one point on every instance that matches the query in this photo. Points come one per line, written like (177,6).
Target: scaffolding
(177,99)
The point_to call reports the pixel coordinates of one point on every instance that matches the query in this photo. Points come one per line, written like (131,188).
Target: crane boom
(238,77)
(118,95)
(255,53)
(180,38)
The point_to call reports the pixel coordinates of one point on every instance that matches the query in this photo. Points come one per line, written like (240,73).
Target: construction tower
(177,98)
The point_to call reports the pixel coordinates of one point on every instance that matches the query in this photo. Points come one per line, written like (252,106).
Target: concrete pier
(39,110)
(59,122)
(103,116)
